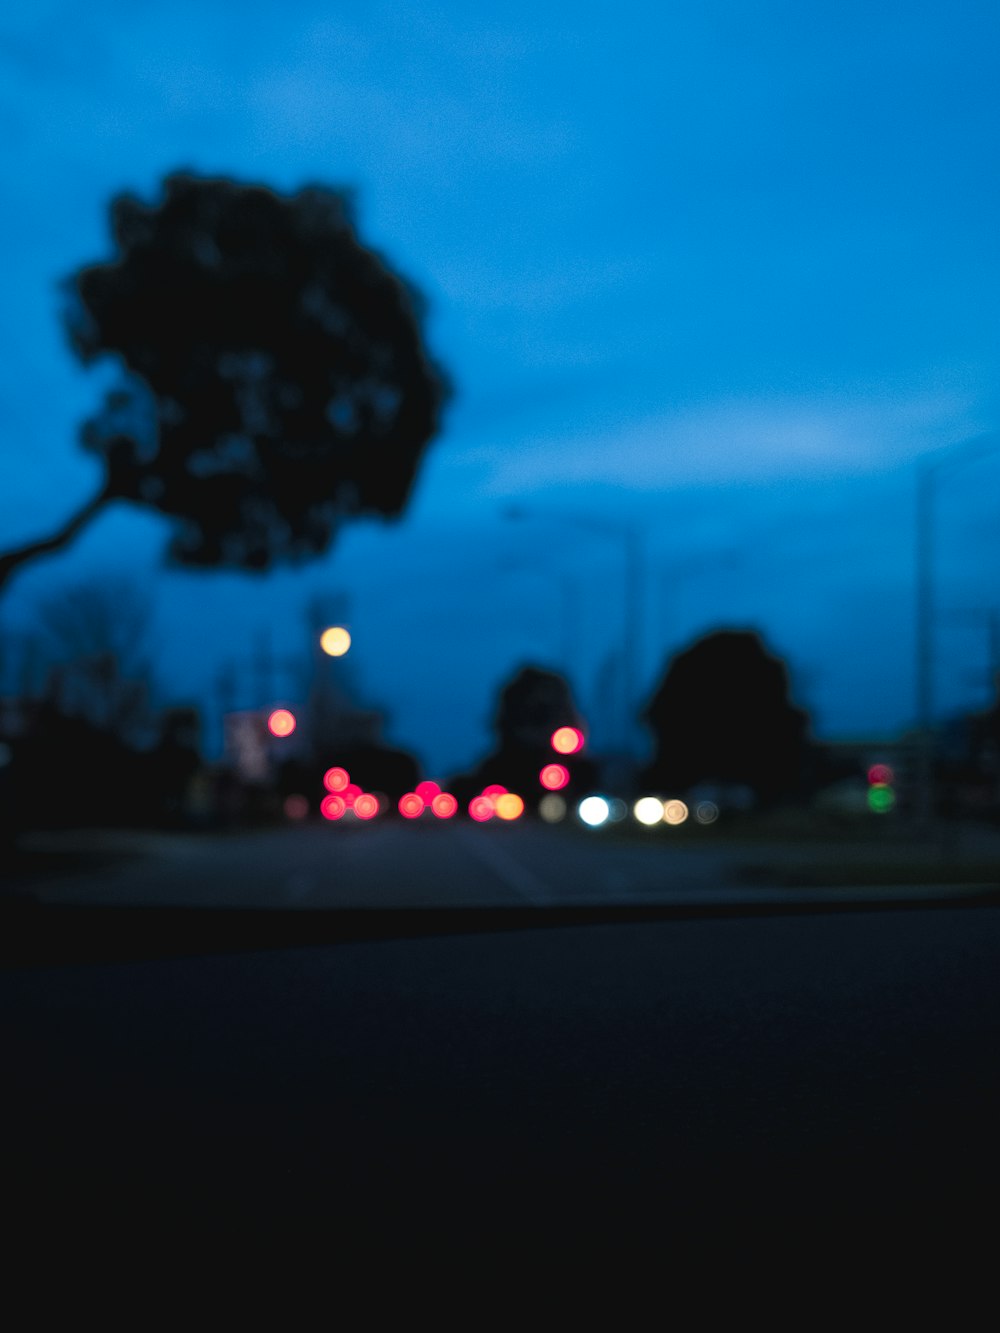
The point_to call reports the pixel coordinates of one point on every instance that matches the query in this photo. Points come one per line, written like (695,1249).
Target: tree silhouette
(531,705)
(274,381)
(95,641)
(723,714)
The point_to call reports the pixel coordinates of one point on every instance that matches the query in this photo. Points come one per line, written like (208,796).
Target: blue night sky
(718,273)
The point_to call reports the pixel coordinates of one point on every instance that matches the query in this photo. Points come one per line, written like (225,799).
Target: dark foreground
(819,1078)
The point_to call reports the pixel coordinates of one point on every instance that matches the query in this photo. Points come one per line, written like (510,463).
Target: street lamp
(335,641)
(929,469)
(631,537)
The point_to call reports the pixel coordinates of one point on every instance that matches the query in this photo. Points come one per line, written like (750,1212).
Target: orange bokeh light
(366,805)
(554,776)
(567,740)
(481,809)
(444,805)
(509,806)
(332,806)
(336,779)
(281,722)
(411,806)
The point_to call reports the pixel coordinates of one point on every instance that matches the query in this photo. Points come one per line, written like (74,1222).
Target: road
(390,863)
(831,1078)
(820,1076)
(386,863)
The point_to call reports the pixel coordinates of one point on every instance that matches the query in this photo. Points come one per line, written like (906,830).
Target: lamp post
(629,534)
(929,469)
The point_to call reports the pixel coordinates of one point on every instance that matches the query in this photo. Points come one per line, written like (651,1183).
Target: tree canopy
(530,706)
(273,376)
(723,714)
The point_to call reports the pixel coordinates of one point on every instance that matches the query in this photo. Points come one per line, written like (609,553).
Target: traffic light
(881,794)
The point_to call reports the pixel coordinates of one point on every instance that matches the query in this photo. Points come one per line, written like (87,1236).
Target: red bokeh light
(567,740)
(351,793)
(427,790)
(494,790)
(444,805)
(554,776)
(332,806)
(481,809)
(281,722)
(336,779)
(880,774)
(411,806)
(366,805)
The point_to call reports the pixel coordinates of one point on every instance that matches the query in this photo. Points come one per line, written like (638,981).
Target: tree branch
(62,537)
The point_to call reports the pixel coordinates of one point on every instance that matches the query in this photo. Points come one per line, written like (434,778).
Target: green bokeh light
(881,798)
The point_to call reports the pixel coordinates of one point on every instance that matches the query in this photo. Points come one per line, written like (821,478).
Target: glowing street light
(281,722)
(594,811)
(481,809)
(648,810)
(552,808)
(509,806)
(567,740)
(335,641)
(444,805)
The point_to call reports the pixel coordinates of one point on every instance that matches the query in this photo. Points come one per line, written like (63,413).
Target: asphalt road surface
(643,1082)
(829,1077)
(391,863)
(380,864)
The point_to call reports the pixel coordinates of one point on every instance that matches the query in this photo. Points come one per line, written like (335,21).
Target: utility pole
(929,469)
(924,646)
(264,668)
(630,535)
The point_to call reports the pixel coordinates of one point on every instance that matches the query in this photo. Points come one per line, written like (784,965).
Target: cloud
(735,441)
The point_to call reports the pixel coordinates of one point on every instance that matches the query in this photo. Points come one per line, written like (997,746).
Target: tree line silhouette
(272,384)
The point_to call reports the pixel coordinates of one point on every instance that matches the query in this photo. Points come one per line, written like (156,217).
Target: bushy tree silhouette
(274,380)
(530,707)
(722,713)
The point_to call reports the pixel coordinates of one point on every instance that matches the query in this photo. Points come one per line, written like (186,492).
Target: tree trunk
(62,537)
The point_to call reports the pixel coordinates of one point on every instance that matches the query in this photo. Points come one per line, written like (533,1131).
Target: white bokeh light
(594,810)
(648,810)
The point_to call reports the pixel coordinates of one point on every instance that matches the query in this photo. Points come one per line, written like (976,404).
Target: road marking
(516,877)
